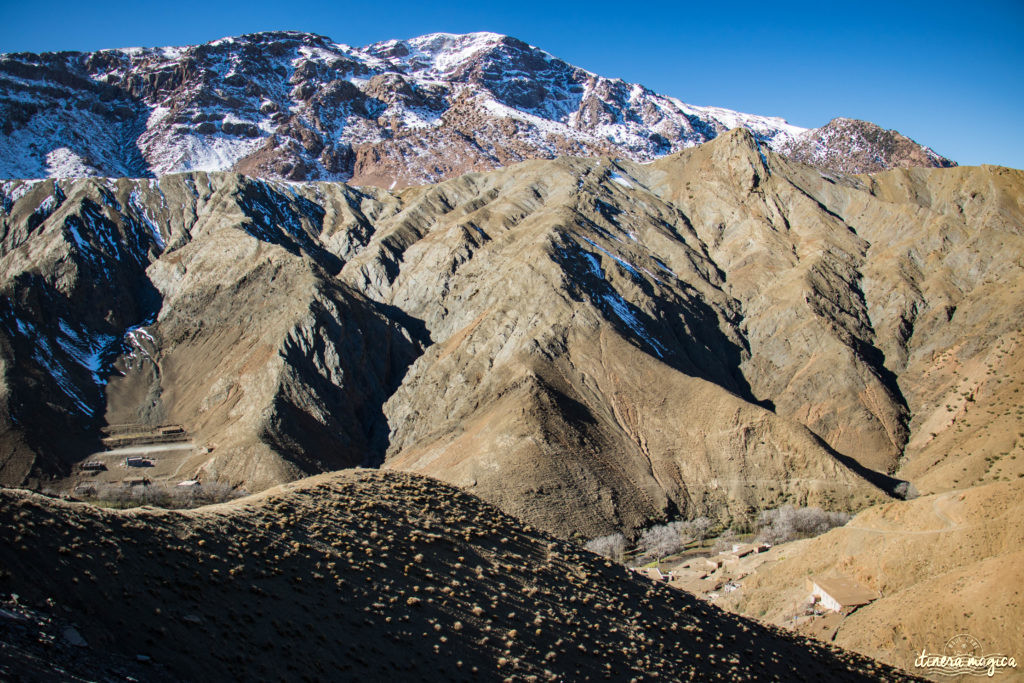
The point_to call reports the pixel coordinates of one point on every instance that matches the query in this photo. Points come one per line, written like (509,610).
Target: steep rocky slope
(299,106)
(808,307)
(591,344)
(943,564)
(238,331)
(917,273)
(367,574)
(852,146)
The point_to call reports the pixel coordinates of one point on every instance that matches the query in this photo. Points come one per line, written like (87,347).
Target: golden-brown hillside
(943,564)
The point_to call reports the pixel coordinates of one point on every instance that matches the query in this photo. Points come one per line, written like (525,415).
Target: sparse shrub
(158,495)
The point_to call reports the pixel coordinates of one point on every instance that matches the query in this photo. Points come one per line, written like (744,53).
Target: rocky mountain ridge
(298,106)
(591,344)
(852,146)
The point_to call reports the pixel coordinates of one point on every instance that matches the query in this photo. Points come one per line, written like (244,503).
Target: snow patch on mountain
(621,180)
(612,301)
(62,162)
(440,53)
(299,106)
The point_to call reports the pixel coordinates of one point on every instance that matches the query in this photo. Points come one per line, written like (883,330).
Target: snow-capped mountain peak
(293,105)
(440,53)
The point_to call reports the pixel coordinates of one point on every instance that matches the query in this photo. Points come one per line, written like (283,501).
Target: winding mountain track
(949,523)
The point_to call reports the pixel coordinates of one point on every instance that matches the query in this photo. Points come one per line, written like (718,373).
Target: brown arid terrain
(589,344)
(942,565)
(235,310)
(973,432)
(548,308)
(358,573)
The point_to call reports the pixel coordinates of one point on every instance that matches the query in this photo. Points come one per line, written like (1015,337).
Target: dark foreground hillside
(355,574)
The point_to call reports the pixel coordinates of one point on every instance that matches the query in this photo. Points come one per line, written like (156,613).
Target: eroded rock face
(591,344)
(297,106)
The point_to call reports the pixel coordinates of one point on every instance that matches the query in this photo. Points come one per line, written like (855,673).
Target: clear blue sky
(950,75)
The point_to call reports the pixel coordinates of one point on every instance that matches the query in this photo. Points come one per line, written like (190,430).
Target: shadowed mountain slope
(242,336)
(369,573)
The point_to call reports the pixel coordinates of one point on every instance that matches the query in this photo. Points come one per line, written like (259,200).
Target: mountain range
(589,343)
(297,106)
(436,307)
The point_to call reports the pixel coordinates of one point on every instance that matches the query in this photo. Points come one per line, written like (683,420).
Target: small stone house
(652,573)
(839,593)
(730,559)
(713,563)
(740,550)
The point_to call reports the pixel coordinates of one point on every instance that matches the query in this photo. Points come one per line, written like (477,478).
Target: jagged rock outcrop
(297,106)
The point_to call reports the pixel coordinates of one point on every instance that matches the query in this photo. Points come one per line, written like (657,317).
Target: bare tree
(906,491)
(701,526)
(612,546)
(662,540)
(788,523)
(725,541)
(159,494)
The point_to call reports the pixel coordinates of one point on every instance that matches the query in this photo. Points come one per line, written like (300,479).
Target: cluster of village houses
(832,593)
(118,436)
